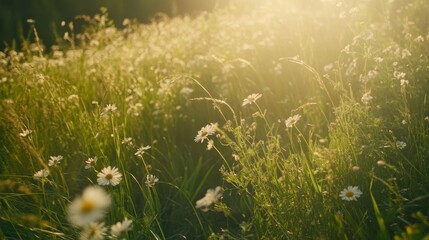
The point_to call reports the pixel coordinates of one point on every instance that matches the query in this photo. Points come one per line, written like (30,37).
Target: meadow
(261,120)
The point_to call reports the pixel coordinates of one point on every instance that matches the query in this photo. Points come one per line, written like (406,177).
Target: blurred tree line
(48,14)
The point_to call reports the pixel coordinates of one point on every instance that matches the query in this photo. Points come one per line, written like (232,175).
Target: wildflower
(404,82)
(126,22)
(121,227)
(73,97)
(141,150)
(94,43)
(366,98)
(378,59)
(151,180)
(25,133)
(127,141)
(372,74)
(404,122)
(55,160)
(236,157)
(355,168)
(278,69)
(419,39)
(291,121)
(210,144)
(90,207)
(346,49)
(399,75)
(350,193)
(110,108)
(135,109)
(328,67)
(212,196)
(109,176)
(400,144)
(41,174)
(427,119)
(66,36)
(93,231)
(251,98)
(186,91)
(381,163)
(206,131)
(405,53)
(90,163)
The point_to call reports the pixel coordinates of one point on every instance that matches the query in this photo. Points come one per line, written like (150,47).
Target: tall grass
(314,125)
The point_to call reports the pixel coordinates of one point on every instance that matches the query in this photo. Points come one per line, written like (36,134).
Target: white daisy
(90,207)
(419,39)
(141,150)
(210,144)
(399,75)
(25,133)
(381,163)
(291,121)
(41,174)
(121,227)
(355,168)
(127,141)
(55,160)
(109,109)
(366,98)
(251,98)
(206,131)
(93,231)
(404,82)
(151,180)
(401,144)
(109,176)
(350,193)
(212,196)
(90,163)
(73,97)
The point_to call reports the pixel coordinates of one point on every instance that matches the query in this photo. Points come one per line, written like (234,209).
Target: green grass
(343,103)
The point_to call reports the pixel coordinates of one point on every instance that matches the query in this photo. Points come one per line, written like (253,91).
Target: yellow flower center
(87,206)
(109,176)
(350,194)
(204,133)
